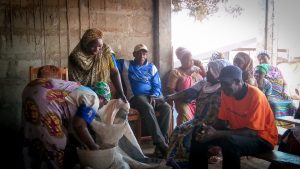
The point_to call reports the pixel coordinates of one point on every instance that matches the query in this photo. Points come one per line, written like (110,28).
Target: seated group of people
(266,77)
(219,109)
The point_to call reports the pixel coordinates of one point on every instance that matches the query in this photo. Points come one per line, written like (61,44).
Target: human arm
(83,133)
(116,80)
(155,87)
(209,133)
(268,88)
(187,94)
(172,83)
(199,64)
(116,77)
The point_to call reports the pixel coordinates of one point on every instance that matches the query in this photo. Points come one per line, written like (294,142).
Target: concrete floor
(246,163)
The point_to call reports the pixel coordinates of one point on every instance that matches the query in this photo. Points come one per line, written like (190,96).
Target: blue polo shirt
(140,80)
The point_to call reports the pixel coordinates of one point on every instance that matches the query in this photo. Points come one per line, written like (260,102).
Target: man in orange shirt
(250,120)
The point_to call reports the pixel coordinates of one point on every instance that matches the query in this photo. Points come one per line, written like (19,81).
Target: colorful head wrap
(215,67)
(90,35)
(247,68)
(216,55)
(182,52)
(102,89)
(263,68)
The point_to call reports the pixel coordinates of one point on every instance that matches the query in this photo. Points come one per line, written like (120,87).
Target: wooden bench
(284,160)
(281,158)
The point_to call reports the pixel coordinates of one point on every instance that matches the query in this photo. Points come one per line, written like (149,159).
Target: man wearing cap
(252,126)
(142,85)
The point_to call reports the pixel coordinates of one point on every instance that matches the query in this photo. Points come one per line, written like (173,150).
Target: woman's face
(259,75)
(187,62)
(102,101)
(239,63)
(263,59)
(94,46)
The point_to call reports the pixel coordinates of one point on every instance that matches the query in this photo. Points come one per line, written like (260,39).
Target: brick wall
(39,32)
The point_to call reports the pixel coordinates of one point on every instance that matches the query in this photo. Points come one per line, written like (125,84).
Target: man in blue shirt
(142,83)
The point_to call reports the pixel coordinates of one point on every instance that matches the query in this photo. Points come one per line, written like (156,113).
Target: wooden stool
(134,116)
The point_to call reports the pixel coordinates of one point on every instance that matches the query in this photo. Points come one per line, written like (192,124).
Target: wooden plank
(289,119)
(280,158)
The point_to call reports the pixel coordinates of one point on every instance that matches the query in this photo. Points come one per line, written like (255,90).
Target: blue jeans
(233,147)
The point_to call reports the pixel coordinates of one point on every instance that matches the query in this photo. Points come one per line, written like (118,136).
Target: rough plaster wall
(39,32)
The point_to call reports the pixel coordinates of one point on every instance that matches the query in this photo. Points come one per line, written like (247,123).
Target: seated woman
(182,78)
(207,106)
(263,84)
(279,100)
(216,55)
(245,63)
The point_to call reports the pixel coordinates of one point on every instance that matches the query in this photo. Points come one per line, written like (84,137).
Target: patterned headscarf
(90,35)
(216,55)
(86,68)
(263,68)
(247,68)
(215,67)
(102,89)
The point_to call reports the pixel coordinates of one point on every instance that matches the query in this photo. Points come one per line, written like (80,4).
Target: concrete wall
(39,32)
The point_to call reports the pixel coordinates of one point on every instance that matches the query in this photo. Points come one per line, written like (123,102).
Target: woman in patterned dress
(182,78)
(92,61)
(54,112)
(281,103)
(207,94)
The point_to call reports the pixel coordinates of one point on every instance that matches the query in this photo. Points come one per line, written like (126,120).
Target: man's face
(230,88)
(140,56)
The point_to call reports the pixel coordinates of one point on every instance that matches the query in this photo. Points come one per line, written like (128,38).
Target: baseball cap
(230,73)
(140,47)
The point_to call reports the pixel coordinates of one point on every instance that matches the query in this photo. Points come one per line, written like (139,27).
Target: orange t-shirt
(253,112)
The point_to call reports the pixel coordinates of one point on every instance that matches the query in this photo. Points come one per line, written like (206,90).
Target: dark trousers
(233,147)
(156,126)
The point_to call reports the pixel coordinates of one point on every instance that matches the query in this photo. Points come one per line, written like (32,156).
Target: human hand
(207,133)
(152,100)
(160,100)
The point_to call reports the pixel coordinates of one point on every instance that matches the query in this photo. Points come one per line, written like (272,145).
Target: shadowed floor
(246,162)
